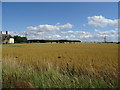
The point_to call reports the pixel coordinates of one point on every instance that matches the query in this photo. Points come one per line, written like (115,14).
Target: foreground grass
(60,66)
(15,75)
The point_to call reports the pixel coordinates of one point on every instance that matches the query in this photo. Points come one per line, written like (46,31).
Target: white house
(11,40)
(6,38)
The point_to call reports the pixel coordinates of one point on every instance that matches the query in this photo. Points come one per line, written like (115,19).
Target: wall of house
(5,41)
(11,40)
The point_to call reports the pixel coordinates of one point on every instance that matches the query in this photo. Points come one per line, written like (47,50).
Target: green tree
(19,39)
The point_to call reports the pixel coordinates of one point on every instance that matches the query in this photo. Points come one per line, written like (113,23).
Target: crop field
(60,65)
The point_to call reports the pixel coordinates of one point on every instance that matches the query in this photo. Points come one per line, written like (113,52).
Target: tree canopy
(19,39)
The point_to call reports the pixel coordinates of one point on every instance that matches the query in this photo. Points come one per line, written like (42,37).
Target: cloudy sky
(85,21)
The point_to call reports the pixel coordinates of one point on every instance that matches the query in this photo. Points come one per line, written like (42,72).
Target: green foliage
(19,39)
(28,77)
(57,41)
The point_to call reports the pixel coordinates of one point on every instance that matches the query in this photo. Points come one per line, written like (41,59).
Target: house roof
(6,37)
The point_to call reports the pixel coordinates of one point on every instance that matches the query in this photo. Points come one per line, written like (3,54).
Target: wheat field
(61,65)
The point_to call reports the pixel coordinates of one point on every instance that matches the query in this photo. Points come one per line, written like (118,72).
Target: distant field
(46,65)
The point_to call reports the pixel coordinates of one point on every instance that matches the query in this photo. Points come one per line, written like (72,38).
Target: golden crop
(93,60)
(93,57)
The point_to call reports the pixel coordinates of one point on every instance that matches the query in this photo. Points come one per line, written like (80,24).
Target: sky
(85,21)
(60,0)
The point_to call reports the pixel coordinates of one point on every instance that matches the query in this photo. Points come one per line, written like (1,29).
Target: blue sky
(20,15)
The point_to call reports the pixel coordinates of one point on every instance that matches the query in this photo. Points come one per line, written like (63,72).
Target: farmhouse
(6,38)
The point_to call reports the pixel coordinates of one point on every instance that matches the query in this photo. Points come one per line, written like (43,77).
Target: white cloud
(108,32)
(111,35)
(14,33)
(97,35)
(101,21)
(56,36)
(46,27)
(70,37)
(75,32)
(84,25)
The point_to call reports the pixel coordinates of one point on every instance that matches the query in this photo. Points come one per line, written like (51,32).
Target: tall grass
(60,66)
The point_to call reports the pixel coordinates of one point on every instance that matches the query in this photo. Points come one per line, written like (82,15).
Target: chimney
(6,32)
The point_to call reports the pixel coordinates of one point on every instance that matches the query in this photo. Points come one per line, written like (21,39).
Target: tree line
(19,39)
